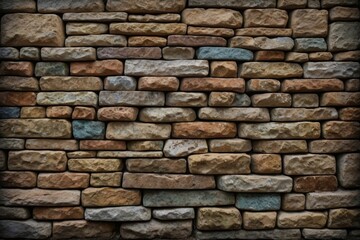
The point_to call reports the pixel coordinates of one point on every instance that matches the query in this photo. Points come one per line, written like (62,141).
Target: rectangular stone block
(65,180)
(156,165)
(184,147)
(94,165)
(235,114)
(148,29)
(137,131)
(337,199)
(123,214)
(131,98)
(332,70)
(67,98)
(195,41)
(334,146)
(185,99)
(129,52)
(340,129)
(311,85)
(270,70)
(107,197)
(17,98)
(58,213)
(95,17)
(303,114)
(204,130)
(212,84)
(68,54)
(265,18)
(130,154)
(258,201)
(315,183)
(229,145)
(16,83)
(149,6)
(25,229)
(97,68)
(106,179)
(245,234)
(16,179)
(53,144)
(101,40)
(71,83)
(280,146)
(304,219)
(53,6)
(309,164)
(340,99)
(233,4)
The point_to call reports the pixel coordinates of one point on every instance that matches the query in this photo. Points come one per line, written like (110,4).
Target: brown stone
(196,41)
(117,114)
(344,14)
(304,219)
(63,180)
(129,52)
(309,23)
(165,17)
(293,202)
(352,85)
(172,114)
(344,218)
(171,53)
(17,179)
(148,29)
(59,112)
(213,84)
(297,57)
(17,99)
(87,113)
(101,40)
(149,6)
(269,56)
(102,145)
(32,112)
(320,56)
(265,18)
(53,144)
(310,85)
(94,165)
(58,213)
(280,146)
(82,154)
(347,56)
(309,164)
(263,85)
(348,168)
(268,32)
(229,145)
(266,163)
(292,4)
(106,179)
(334,146)
(305,100)
(86,28)
(227,99)
(271,100)
(339,129)
(97,68)
(107,197)
(204,130)
(315,183)
(25,69)
(215,218)
(349,113)
(160,165)
(340,99)
(145,145)
(146,41)
(223,69)
(259,220)
(16,83)
(206,31)
(55,83)
(270,70)
(158,83)
(303,114)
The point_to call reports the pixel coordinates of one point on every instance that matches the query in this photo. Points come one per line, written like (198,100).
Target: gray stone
(96,17)
(333,3)
(331,70)
(240,4)
(28,229)
(12,143)
(348,168)
(338,199)
(309,233)
(194,198)
(67,98)
(179,68)
(137,131)
(18,6)
(30,53)
(185,99)
(131,98)
(145,145)
(9,112)
(167,115)
(229,145)
(149,6)
(280,234)
(68,54)
(310,45)
(303,114)
(174,213)
(344,36)
(229,99)
(224,53)
(86,28)
(258,202)
(9,53)
(119,214)
(14,213)
(255,183)
(120,83)
(51,69)
(101,40)
(16,83)
(235,114)
(184,147)
(156,165)
(88,129)
(54,6)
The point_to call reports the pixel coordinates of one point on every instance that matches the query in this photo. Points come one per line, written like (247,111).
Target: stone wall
(197,119)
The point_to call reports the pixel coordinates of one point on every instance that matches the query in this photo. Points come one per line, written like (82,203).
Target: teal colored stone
(51,69)
(224,53)
(310,45)
(258,202)
(9,112)
(88,129)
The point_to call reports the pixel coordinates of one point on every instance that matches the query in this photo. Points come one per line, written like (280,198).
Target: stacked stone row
(198,119)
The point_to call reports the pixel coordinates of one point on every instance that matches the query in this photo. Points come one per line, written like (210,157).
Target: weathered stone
(259,220)
(96,16)
(88,129)
(9,112)
(324,233)
(268,32)
(101,40)
(297,57)
(273,130)
(213,84)
(212,17)
(344,14)
(344,218)
(310,44)
(11,143)
(334,146)
(195,198)
(204,130)
(266,163)
(340,99)
(172,53)
(262,43)
(58,112)
(207,31)
(52,6)
(64,180)
(213,163)
(343,36)
(224,53)
(130,154)
(17,98)
(86,28)
(331,70)
(233,4)
(195,41)
(270,70)
(25,29)
(184,99)
(255,183)
(229,145)
(305,100)
(159,165)
(349,113)
(94,165)
(304,219)
(137,131)
(320,56)
(30,53)
(106,179)
(226,69)
(68,54)
(280,146)
(315,183)
(303,114)
(51,69)
(120,83)
(142,7)
(97,68)
(70,83)
(309,164)
(117,114)
(234,114)
(158,83)
(265,18)
(179,68)
(333,3)
(127,213)
(58,213)
(337,199)
(81,154)
(269,56)
(258,201)
(291,4)
(229,99)
(85,113)
(25,229)
(218,218)
(311,85)
(82,229)
(145,145)
(37,160)
(18,6)
(106,197)
(263,85)
(352,85)
(167,115)
(148,29)
(39,197)
(348,166)
(146,41)
(165,18)
(156,229)
(340,129)
(314,4)
(14,213)
(185,147)
(17,179)
(129,52)
(309,23)
(25,69)
(15,83)
(33,112)
(67,98)
(244,234)
(271,100)
(9,53)
(293,202)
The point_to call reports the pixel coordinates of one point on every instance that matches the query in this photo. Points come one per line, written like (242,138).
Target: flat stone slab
(223,53)
(25,229)
(119,214)
(332,70)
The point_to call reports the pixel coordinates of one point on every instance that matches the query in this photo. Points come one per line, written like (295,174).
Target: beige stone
(270,70)
(229,145)
(150,6)
(158,83)
(58,112)
(95,16)
(263,85)
(320,56)
(292,4)
(349,113)
(159,165)
(228,99)
(66,98)
(340,129)
(304,219)
(344,218)
(297,57)
(347,56)
(130,154)
(207,31)
(203,130)
(148,29)
(86,28)
(32,112)
(81,154)
(14,213)
(58,213)
(86,113)
(305,100)
(266,163)
(334,146)
(259,220)
(314,164)
(167,115)
(101,40)
(165,17)
(271,100)
(195,41)
(18,6)
(94,165)
(235,114)
(137,131)
(334,199)
(117,114)
(340,13)
(184,99)
(54,83)
(68,54)
(293,202)
(261,31)
(309,23)
(106,179)
(348,166)
(102,145)
(303,114)
(215,218)
(106,196)
(65,180)
(53,144)
(171,53)
(146,41)
(145,145)
(280,146)
(340,99)
(310,85)
(265,18)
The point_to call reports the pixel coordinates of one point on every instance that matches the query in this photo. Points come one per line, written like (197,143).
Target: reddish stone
(97,68)
(350,113)
(311,85)
(87,113)
(196,41)
(58,112)
(158,83)
(117,114)
(213,84)
(315,183)
(269,56)
(102,145)
(204,130)
(58,213)
(17,98)
(17,68)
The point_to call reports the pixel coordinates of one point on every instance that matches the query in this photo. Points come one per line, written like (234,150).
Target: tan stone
(129,52)
(265,18)
(81,154)
(264,43)
(53,144)
(87,113)
(305,100)
(59,112)
(297,57)
(94,165)
(16,83)
(97,68)
(315,183)
(149,6)
(24,29)
(117,114)
(130,154)
(263,85)
(55,83)
(37,160)
(303,114)
(67,98)
(158,83)
(215,218)
(309,23)
(171,53)
(340,99)
(167,115)
(58,213)
(106,179)
(160,165)
(270,70)
(269,56)
(223,69)
(213,84)
(304,219)
(195,41)
(17,179)
(340,129)
(165,17)
(101,40)
(344,14)
(347,56)
(349,113)
(17,98)
(101,197)
(203,130)
(259,220)
(184,99)
(148,29)
(268,32)
(86,28)
(320,56)
(310,85)
(64,180)
(334,199)
(228,99)
(102,145)
(280,146)
(292,4)
(229,145)
(212,17)
(95,16)
(348,167)
(293,202)
(32,112)
(334,146)
(137,131)
(145,41)
(271,100)
(213,163)
(145,145)
(344,218)
(25,69)
(266,163)
(167,181)
(206,31)
(314,164)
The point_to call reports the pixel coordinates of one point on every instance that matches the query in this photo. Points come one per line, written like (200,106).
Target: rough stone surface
(343,36)
(101,40)
(348,166)
(340,129)
(137,131)
(68,54)
(101,197)
(64,180)
(67,98)
(245,234)
(334,146)
(331,70)
(303,114)
(148,29)
(324,233)
(212,84)
(131,98)
(106,179)
(97,68)
(25,229)
(271,100)
(70,83)
(310,85)
(183,148)
(158,83)
(235,114)
(344,218)
(309,23)
(203,130)
(280,146)
(94,165)
(337,199)
(259,220)
(129,52)
(127,213)
(309,164)
(167,115)
(218,219)
(232,4)
(184,99)
(159,165)
(52,6)
(293,202)
(304,219)
(229,145)
(265,18)
(151,6)
(58,213)
(315,183)
(266,163)
(196,41)
(270,70)
(174,213)
(51,69)
(223,53)
(258,201)
(17,179)
(310,44)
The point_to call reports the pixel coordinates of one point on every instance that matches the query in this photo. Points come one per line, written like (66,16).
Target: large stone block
(309,164)
(65,180)
(54,6)
(235,114)
(88,129)
(18,6)
(212,84)
(337,199)
(25,229)
(184,147)
(167,115)
(309,23)
(68,54)
(241,4)
(332,70)
(344,36)
(270,70)
(123,214)
(58,213)
(129,52)
(137,131)
(302,219)
(280,146)
(215,218)
(94,164)
(245,234)
(55,83)
(311,85)
(131,98)
(258,201)
(265,18)
(108,197)
(259,220)
(158,165)
(145,6)
(204,130)
(229,145)
(100,40)
(348,166)
(148,29)
(303,114)
(344,218)
(67,98)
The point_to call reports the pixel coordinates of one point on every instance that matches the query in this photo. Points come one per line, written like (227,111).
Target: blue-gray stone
(9,112)
(310,44)
(9,53)
(88,129)
(258,201)
(51,69)
(120,83)
(224,53)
